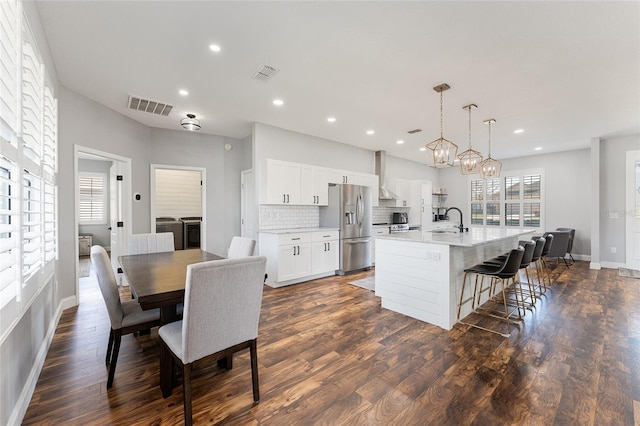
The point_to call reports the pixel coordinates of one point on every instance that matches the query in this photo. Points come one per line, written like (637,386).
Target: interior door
(117,224)
(633,210)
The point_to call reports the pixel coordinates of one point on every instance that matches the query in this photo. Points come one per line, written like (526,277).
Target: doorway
(632,216)
(113,226)
(178,198)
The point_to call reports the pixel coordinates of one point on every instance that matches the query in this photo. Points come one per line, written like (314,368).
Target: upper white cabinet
(314,182)
(420,203)
(402,188)
(283,182)
(302,184)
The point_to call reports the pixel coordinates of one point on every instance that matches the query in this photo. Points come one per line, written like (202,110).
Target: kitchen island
(420,274)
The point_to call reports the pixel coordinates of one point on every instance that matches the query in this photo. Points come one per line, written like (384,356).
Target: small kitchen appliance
(400,218)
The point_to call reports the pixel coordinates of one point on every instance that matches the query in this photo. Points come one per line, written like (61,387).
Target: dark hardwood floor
(329,354)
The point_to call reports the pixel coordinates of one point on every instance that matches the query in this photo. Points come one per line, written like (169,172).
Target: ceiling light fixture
(331,119)
(423,149)
(470,159)
(537,148)
(490,168)
(278,102)
(441,152)
(371,132)
(190,123)
(400,142)
(183,92)
(518,131)
(214,47)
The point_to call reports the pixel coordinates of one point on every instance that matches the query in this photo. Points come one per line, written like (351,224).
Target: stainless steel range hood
(381,171)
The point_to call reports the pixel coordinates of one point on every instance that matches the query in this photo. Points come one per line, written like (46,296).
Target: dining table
(157,280)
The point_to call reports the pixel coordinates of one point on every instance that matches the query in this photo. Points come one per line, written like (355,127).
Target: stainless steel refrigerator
(349,209)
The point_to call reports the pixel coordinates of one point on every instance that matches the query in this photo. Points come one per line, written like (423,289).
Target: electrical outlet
(613,249)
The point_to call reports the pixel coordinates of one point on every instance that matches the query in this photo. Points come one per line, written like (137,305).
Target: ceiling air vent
(265,73)
(146,105)
(414,131)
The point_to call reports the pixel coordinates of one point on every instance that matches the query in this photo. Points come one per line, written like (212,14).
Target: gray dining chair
(125,317)
(151,243)
(559,246)
(572,236)
(241,247)
(222,303)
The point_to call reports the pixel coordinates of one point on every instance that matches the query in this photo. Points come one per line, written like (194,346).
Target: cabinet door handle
(287,198)
(294,250)
(295,239)
(284,198)
(328,246)
(298,250)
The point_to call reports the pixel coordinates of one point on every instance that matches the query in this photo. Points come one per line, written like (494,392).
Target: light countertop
(475,237)
(296,230)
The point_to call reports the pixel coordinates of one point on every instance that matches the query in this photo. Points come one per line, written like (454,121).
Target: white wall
(612,196)
(567,188)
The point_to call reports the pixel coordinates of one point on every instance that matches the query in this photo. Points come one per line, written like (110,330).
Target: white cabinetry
(300,256)
(402,188)
(420,204)
(324,252)
(283,182)
(377,231)
(314,182)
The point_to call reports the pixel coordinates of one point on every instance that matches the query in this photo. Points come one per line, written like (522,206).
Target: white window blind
(50,228)
(9,75)
(50,132)
(9,283)
(32,103)
(32,225)
(515,200)
(178,193)
(93,198)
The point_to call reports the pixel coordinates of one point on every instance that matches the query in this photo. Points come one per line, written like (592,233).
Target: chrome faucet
(461,227)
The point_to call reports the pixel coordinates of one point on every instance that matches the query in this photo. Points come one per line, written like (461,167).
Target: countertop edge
(295,230)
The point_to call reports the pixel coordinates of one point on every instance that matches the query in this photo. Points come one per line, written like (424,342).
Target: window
(93,198)
(32,225)
(9,286)
(514,200)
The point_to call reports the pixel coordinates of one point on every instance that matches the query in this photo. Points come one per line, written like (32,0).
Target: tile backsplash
(279,217)
(385,214)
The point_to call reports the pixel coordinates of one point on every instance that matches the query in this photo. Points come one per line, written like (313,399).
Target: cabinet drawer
(301,238)
(324,236)
(380,230)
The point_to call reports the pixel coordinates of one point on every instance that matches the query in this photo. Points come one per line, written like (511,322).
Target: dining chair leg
(109,348)
(186,394)
(167,373)
(117,337)
(226,362)
(253,351)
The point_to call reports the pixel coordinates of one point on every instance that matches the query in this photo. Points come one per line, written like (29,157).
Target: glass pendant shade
(190,123)
(470,159)
(441,152)
(490,168)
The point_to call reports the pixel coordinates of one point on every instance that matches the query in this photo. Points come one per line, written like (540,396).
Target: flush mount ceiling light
(190,123)
(470,159)
(490,168)
(278,102)
(331,119)
(441,152)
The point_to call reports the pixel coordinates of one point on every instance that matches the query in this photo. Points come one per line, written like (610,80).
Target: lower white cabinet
(300,256)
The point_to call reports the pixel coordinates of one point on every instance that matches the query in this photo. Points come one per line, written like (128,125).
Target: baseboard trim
(27,392)
(613,265)
(585,257)
(595,265)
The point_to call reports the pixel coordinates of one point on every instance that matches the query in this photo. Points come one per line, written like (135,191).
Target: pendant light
(441,152)
(470,159)
(190,123)
(490,168)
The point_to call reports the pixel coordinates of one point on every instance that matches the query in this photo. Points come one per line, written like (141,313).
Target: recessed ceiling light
(400,142)
(183,92)
(214,47)
(518,131)
(278,102)
(370,132)
(538,148)
(423,149)
(331,119)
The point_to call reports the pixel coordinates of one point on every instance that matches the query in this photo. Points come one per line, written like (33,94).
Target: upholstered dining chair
(559,246)
(151,243)
(222,303)
(572,236)
(125,317)
(241,247)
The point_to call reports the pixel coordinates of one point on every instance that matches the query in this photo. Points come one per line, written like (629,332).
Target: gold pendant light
(441,152)
(470,159)
(490,168)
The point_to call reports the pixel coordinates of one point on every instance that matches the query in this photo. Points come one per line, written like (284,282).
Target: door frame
(203,188)
(126,200)
(630,190)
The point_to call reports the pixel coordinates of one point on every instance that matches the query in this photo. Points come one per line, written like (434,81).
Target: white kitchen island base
(420,275)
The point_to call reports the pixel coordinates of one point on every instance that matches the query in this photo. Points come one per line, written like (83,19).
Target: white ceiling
(565,72)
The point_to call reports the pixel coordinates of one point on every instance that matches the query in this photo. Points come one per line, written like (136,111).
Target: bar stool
(501,274)
(547,246)
(540,288)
